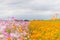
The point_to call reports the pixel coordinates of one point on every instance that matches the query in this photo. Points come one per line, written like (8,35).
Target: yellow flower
(8,38)
(14,27)
(19,29)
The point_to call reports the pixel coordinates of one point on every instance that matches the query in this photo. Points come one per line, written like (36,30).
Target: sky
(29,9)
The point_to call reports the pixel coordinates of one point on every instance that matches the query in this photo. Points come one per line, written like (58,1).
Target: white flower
(1,36)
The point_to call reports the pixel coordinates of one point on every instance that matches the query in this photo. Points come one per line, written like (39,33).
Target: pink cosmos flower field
(14,30)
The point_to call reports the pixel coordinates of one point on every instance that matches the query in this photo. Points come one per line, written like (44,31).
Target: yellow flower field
(44,30)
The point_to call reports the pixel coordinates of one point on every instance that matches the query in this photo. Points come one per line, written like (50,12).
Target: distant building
(55,16)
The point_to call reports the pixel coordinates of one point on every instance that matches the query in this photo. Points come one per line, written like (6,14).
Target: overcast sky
(29,9)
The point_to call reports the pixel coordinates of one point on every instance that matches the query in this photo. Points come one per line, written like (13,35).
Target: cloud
(29,8)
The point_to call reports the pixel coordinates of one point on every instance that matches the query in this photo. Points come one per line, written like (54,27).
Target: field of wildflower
(14,30)
(29,30)
(44,30)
